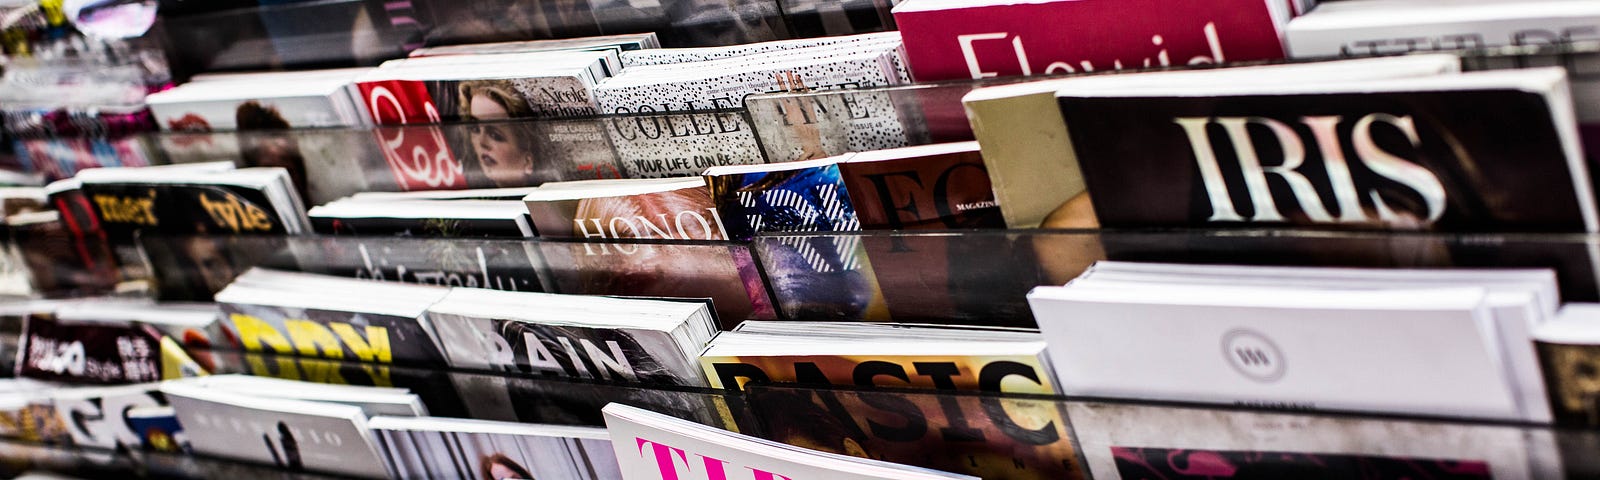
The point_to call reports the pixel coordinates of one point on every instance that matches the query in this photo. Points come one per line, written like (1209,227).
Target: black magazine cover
(603,354)
(125,208)
(572,402)
(418,227)
(1462,161)
(365,337)
(196,267)
(459,262)
(975,278)
(89,352)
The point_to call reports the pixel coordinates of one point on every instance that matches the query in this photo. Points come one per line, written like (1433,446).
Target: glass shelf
(972,277)
(988,434)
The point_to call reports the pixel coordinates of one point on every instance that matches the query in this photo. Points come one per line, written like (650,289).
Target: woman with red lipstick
(502,151)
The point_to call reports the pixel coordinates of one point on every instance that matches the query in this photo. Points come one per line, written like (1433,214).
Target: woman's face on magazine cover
(504,161)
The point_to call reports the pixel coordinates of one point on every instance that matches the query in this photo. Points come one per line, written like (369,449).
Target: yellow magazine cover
(1002,373)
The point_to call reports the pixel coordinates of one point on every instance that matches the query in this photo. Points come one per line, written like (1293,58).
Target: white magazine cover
(1409,351)
(1380,27)
(442,449)
(653,446)
(294,435)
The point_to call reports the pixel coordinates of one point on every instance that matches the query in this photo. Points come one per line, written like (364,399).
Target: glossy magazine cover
(725,273)
(1392,160)
(564,401)
(294,435)
(662,145)
(820,277)
(993,438)
(603,354)
(940,191)
(1009,373)
(355,336)
(811,199)
(974,278)
(100,418)
(89,352)
(453,262)
(196,267)
(682,214)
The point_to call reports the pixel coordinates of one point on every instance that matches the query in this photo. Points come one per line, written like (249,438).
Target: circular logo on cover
(1253,355)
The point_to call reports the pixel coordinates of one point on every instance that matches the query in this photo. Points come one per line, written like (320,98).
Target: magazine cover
(36,422)
(432,385)
(646,442)
(89,352)
(1567,368)
(158,429)
(980,436)
(196,267)
(975,278)
(603,354)
(364,337)
(727,274)
(62,262)
(455,262)
(294,435)
(811,199)
(821,277)
(61,158)
(83,260)
(1000,373)
(419,156)
(185,209)
(804,126)
(565,401)
(1392,160)
(477,455)
(660,145)
(687,213)
(520,153)
(377,225)
(949,189)
(502,148)
(98,417)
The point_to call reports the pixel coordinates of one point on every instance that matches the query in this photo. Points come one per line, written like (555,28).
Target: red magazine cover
(419,156)
(947,41)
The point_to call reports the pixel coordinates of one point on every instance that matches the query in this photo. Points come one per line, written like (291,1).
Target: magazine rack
(974,277)
(988,434)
